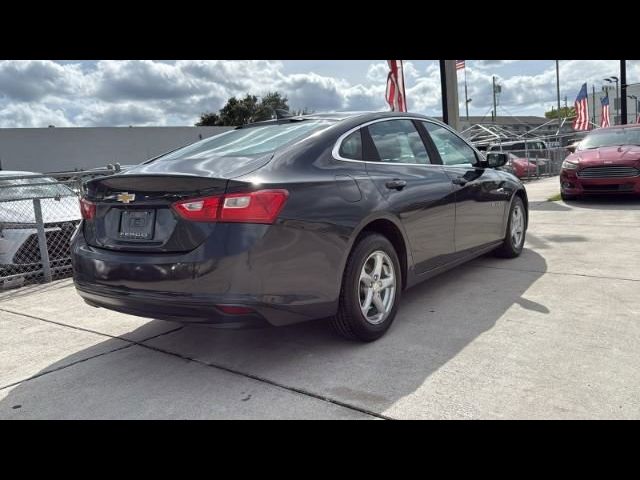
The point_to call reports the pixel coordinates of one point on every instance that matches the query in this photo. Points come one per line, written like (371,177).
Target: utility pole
(623,80)
(558,92)
(466,99)
(449,86)
(495,113)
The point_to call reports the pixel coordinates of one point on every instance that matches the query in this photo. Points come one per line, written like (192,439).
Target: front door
(481,200)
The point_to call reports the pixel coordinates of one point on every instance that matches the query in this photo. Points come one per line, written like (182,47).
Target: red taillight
(262,206)
(199,209)
(87,209)
(235,310)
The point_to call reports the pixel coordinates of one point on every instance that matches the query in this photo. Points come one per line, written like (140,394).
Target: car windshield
(23,188)
(246,142)
(611,138)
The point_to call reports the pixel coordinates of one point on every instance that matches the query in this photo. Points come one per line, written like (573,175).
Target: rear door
(480,199)
(415,186)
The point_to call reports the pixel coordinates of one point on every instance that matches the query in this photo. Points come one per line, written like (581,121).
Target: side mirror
(572,148)
(494,160)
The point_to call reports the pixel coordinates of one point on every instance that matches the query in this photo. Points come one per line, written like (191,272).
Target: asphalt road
(552,334)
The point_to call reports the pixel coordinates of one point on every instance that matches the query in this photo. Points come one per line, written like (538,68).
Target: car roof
(362,116)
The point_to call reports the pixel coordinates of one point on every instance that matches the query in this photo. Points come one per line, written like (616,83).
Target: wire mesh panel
(38,216)
(531,158)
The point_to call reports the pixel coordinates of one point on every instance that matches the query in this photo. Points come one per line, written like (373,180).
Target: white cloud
(112,92)
(26,115)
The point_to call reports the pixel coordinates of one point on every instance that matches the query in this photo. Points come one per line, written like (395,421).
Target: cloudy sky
(38,93)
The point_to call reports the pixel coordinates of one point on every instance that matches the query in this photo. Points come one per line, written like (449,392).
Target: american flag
(459,64)
(582,110)
(395,87)
(605,111)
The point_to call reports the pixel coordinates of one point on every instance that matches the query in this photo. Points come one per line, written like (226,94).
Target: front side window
(247,142)
(398,141)
(351,147)
(453,150)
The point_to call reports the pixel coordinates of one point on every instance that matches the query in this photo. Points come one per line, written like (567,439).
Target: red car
(607,160)
(521,167)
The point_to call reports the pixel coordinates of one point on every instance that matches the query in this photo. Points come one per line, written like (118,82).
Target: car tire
(351,322)
(513,244)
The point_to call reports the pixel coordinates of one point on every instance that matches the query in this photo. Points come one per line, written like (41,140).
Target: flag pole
(404,92)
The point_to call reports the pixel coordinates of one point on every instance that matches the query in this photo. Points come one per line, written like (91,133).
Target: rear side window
(398,141)
(351,147)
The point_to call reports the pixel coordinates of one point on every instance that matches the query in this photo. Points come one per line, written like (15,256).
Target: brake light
(235,310)
(200,209)
(87,209)
(262,206)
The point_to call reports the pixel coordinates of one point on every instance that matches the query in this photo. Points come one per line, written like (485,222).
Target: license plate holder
(137,224)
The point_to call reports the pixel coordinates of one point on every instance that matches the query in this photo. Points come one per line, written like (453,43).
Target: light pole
(467,101)
(611,80)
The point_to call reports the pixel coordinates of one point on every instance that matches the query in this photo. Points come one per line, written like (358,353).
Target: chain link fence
(38,216)
(535,158)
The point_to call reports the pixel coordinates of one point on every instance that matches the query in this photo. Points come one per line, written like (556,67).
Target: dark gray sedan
(278,222)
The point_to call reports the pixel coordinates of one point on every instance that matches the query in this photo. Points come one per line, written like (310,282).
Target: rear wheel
(516,230)
(371,289)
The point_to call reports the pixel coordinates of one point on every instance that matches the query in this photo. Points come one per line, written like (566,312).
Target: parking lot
(551,334)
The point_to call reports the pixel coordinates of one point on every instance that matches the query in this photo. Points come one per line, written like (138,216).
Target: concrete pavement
(552,334)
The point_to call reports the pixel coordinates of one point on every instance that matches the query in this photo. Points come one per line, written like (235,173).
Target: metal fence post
(42,241)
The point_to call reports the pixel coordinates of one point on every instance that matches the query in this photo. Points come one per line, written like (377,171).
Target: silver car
(19,249)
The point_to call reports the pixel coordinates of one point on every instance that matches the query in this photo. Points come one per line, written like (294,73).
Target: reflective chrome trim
(336,148)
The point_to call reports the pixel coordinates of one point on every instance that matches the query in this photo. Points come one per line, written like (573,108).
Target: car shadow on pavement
(607,202)
(436,321)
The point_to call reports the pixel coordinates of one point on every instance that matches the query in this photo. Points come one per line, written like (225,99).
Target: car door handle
(395,184)
(459,181)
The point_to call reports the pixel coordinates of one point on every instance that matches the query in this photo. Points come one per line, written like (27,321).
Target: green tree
(208,119)
(565,112)
(246,110)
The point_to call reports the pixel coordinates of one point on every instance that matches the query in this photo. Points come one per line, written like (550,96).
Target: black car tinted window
(398,141)
(351,147)
(453,150)
(245,142)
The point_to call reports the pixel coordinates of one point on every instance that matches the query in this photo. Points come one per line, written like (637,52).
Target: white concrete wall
(57,149)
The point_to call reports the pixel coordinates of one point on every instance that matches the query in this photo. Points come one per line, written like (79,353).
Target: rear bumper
(267,275)
(164,306)
(571,184)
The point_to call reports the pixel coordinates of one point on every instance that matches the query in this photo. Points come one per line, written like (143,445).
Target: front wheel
(371,289)
(516,230)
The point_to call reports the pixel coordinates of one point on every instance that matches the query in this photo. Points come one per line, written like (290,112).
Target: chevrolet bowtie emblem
(126,197)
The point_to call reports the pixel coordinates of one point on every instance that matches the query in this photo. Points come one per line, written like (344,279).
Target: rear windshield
(611,138)
(247,142)
(23,188)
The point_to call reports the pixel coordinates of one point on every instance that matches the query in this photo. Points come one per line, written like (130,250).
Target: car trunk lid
(133,212)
